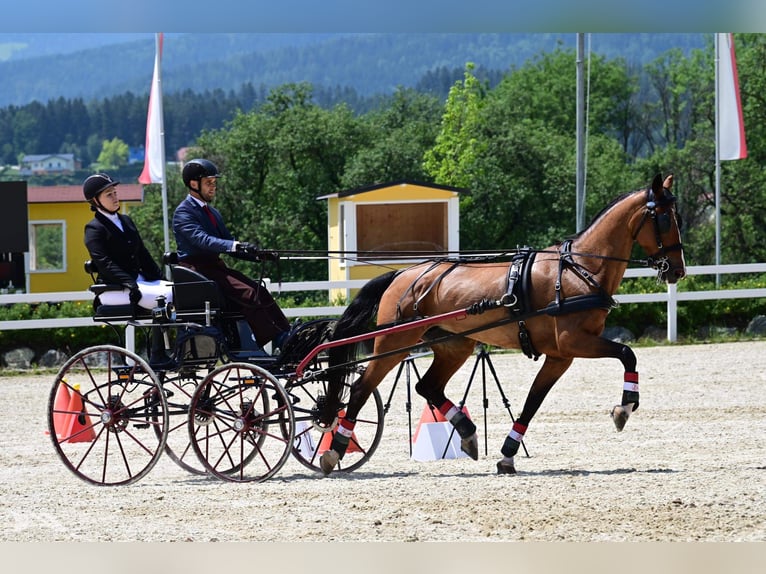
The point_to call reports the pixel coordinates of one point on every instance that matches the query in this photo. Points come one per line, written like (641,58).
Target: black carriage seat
(192,292)
(107,313)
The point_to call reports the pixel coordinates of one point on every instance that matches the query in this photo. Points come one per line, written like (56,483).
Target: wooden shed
(388,226)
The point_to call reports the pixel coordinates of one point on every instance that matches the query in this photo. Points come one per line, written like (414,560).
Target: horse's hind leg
(448,358)
(361,389)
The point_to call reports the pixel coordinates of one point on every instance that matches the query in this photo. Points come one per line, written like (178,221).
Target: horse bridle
(661,223)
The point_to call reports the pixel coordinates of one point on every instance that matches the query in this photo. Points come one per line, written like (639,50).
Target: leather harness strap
(517,296)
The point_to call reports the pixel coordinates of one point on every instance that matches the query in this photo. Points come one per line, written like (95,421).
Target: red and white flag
(154,151)
(731,129)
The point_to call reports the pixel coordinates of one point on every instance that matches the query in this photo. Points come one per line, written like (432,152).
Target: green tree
(685,145)
(514,148)
(743,182)
(277,161)
(114,154)
(458,144)
(148,215)
(394,140)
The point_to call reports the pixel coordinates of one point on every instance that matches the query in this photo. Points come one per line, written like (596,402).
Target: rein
(480,256)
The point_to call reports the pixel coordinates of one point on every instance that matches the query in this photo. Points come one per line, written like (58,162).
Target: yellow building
(388,226)
(57,218)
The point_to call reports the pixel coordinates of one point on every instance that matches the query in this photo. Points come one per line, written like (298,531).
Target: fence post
(130,338)
(672,312)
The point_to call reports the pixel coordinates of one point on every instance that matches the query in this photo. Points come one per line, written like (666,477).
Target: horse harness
(519,287)
(661,224)
(517,297)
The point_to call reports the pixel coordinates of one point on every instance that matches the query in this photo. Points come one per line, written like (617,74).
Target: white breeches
(150,290)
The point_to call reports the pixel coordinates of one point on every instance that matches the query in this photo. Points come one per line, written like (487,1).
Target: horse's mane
(596,217)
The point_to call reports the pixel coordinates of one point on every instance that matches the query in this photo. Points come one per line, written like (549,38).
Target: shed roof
(374,187)
(73,193)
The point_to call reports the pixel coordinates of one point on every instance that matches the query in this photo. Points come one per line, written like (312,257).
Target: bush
(737,313)
(69,340)
(692,315)
(638,316)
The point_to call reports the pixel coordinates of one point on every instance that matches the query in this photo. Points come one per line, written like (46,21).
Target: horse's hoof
(328,461)
(470,446)
(620,415)
(504,467)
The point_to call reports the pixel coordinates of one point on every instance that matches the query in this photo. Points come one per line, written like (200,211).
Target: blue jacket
(195,234)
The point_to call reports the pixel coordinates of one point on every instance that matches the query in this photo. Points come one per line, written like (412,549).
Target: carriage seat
(192,290)
(111,312)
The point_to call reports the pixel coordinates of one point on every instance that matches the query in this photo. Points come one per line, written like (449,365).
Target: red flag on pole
(154,151)
(731,131)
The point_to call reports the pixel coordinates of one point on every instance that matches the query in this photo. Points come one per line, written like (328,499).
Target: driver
(201,236)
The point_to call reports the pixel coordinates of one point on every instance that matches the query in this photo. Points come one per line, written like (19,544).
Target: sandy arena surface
(689,466)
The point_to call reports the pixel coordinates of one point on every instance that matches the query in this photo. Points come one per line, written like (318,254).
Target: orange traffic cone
(60,405)
(353,443)
(78,426)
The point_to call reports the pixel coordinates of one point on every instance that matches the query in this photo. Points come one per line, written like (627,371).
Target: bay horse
(552,302)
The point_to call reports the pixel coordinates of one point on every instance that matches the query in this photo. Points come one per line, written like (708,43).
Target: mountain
(25,46)
(92,66)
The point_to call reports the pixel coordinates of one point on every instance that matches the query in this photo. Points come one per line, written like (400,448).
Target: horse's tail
(354,321)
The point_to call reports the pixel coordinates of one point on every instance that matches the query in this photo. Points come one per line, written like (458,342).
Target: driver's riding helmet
(197,169)
(97,183)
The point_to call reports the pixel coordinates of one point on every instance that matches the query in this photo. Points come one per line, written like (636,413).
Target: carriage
(205,395)
(216,405)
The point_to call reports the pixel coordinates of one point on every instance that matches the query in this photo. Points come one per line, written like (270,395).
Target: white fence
(671,297)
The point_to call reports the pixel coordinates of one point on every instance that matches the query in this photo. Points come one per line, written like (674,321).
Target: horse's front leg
(629,402)
(549,373)
(598,347)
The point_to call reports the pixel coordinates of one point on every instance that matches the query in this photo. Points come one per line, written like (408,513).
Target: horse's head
(658,231)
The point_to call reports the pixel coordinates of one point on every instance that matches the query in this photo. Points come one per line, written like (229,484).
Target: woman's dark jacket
(119,255)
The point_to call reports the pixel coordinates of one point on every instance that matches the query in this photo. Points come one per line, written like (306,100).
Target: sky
(383,16)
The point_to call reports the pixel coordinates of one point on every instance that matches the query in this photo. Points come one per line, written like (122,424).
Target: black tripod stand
(407,367)
(483,358)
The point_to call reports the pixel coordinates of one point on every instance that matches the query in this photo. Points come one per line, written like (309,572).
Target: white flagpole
(717,160)
(580,136)
(154,151)
(730,141)
(158,48)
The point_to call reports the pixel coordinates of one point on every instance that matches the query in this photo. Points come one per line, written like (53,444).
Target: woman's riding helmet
(97,183)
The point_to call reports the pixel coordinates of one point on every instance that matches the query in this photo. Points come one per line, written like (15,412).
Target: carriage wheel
(241,423)
(312,439)
(107,416)
(178,390)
